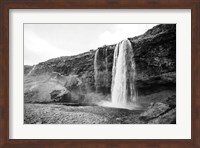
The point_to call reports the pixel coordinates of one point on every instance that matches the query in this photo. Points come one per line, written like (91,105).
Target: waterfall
(106,59)
(31,70)
(123,74)
(101,73)
(96,68)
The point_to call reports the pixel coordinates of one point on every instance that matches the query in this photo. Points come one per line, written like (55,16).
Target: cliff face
(81,65)
(154,55)
(155,51)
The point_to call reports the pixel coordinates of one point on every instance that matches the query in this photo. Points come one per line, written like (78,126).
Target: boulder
(171,101)
(60,96)
(154,110)
(168,118)
(160,112)
(73,82)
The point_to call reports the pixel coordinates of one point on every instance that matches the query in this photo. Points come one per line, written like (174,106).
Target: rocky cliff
(27,69)
(154,55)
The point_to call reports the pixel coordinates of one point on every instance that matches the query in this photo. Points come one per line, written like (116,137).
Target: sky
(45,41)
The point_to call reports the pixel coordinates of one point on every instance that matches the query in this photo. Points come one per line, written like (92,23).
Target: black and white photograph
(99,73)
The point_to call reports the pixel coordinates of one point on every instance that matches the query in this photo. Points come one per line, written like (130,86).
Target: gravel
(61,114)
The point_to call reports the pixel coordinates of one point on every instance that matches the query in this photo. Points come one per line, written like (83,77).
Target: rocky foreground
(61,114)
(156,113)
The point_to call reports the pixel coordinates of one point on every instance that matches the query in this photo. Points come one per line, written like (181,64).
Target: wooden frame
(5,5)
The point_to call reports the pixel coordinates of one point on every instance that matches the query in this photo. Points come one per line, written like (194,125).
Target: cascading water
(106,54)
(123,74)
(106,65)
(101,70)
(123,91)
(96,68)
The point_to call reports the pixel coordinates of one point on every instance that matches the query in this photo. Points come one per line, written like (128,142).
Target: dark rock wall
(155,51)
(155,58)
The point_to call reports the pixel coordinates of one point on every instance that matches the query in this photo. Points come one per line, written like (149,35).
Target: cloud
(37,49)
(123,31)
(43,42)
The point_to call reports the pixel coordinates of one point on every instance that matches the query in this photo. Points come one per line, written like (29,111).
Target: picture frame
(6,5)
